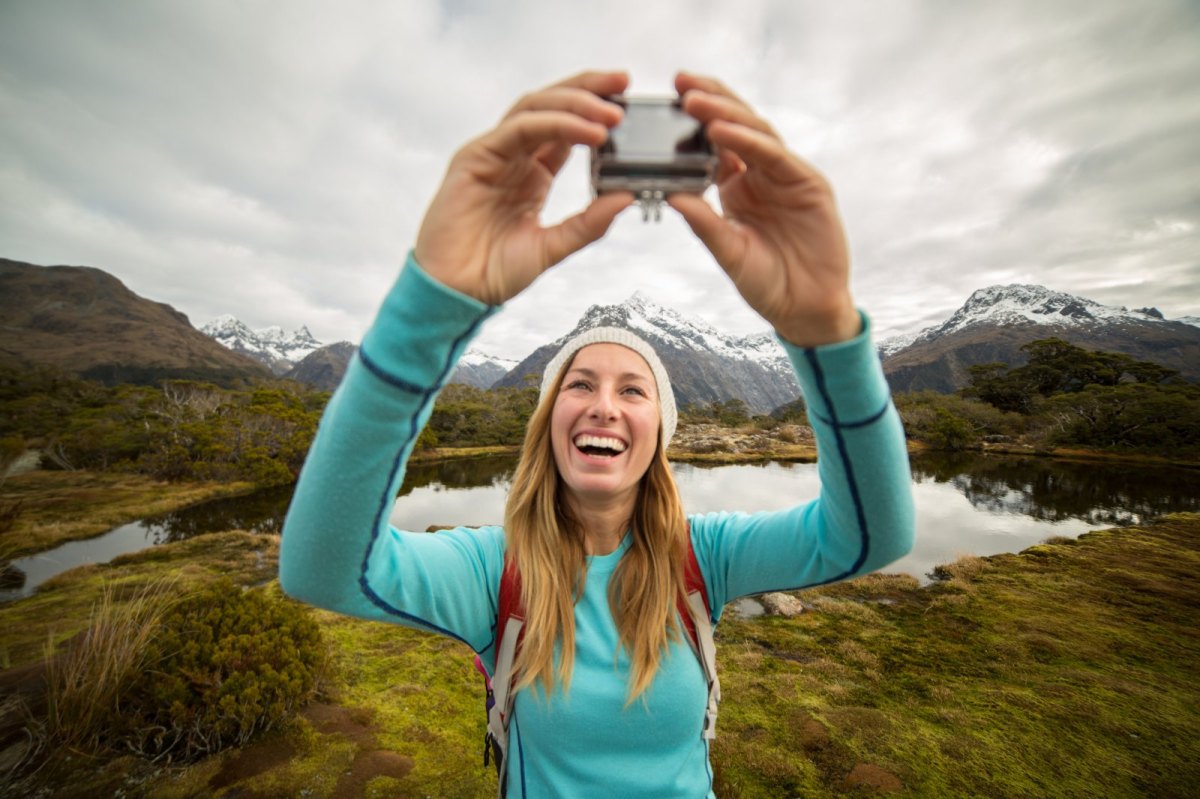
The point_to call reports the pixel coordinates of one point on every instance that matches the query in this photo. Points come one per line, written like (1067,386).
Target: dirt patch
(366,767)
(250,761)
(865,775)
(814,735)
(353,725)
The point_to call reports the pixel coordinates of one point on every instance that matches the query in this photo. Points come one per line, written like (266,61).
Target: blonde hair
(546,542)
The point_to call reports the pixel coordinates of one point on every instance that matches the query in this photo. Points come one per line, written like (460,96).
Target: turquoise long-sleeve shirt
(339,551)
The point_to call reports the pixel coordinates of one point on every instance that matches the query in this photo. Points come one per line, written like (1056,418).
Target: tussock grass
(85,683)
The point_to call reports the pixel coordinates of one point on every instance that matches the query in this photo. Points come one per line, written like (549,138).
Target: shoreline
(58,507)
(879,679)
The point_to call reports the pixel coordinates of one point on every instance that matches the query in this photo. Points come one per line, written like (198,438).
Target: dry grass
(85,682)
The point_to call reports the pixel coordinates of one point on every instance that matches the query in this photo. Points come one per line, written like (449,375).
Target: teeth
(602,442)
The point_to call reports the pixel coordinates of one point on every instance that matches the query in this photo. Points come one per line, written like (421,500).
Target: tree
(1057,367)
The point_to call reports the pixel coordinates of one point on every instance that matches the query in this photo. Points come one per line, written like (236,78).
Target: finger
(575,100)
(553,156)
(598,82)
(688,81)
(714,231)
(761,151)
(526,133)
(728,166)
(580,230)
(708,107)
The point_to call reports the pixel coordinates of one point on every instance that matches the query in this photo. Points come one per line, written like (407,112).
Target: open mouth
(600,446)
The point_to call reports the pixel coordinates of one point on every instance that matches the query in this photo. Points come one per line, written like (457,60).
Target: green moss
(1047,673)
(1063,668)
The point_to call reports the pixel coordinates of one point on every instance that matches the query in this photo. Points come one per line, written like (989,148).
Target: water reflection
(260,512)
(1098,493)
(965,503)
(495,470)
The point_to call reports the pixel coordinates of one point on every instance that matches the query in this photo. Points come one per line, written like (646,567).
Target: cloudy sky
(272,160)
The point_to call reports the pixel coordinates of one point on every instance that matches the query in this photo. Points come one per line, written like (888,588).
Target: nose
(604,405)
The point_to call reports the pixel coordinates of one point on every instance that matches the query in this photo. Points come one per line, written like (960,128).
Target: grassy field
(1065,671)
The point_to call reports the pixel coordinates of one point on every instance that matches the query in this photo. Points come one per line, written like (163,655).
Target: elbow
(892,543)
(296,577)
(296,588)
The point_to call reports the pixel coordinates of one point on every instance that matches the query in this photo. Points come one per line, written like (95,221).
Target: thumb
(580,230)
(713,230)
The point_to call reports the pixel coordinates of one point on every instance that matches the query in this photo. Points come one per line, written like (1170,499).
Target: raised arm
(781,242)
(480,244)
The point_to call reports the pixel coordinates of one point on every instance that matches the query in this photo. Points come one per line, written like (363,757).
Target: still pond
(966,504)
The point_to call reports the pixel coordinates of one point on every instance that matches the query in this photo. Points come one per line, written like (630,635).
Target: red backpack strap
(696,614)
(693,582)
(510,629)
(509,602)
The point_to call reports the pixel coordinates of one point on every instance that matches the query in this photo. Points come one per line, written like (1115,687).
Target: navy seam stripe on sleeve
(427,395)
(875,417)
(387,377)
(819,375)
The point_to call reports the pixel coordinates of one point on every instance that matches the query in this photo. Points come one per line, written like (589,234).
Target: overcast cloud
(272,160)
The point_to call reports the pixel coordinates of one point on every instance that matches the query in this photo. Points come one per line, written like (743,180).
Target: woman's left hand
(780,239)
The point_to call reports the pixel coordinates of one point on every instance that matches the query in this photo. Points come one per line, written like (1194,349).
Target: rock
(779,604)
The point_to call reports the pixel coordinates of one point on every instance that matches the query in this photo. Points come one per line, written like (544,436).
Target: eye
(573,384)
(641,392)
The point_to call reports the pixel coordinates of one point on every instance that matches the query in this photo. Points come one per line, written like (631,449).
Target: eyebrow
(624,376)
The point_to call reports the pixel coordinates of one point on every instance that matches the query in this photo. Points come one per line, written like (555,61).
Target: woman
(610,700)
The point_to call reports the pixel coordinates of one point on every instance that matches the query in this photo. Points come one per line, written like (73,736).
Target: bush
(949,432)
(946,421)
(225,664)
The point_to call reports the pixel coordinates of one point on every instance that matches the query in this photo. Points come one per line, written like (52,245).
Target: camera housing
(656,150)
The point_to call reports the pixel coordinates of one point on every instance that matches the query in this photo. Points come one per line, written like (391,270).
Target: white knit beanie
(626,338)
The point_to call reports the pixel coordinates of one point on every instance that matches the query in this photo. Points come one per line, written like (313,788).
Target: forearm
(339,514)
(863,518)
(865,512)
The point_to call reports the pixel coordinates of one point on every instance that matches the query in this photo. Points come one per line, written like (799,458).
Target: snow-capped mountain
(704,364)
(481,370)
(280,351)
(996,321)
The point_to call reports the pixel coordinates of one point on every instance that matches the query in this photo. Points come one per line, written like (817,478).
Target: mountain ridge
(86,322)
(704,364)
(994,322)
(278,351)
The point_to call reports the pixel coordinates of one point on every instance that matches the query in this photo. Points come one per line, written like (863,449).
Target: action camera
(656,150)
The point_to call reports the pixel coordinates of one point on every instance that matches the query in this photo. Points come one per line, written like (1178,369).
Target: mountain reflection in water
(1099,493)
(966,503)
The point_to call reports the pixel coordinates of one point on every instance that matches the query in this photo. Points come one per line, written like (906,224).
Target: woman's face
(604,427)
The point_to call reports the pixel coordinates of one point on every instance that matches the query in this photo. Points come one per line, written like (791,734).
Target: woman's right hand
(481,234)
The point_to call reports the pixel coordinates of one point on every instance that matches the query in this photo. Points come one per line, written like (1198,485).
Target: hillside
(87,322)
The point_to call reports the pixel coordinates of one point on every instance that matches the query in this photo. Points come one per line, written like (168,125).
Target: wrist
(815,330)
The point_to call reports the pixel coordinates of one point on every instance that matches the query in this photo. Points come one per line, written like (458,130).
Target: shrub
(225,664)
(946,421)
(950,432)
